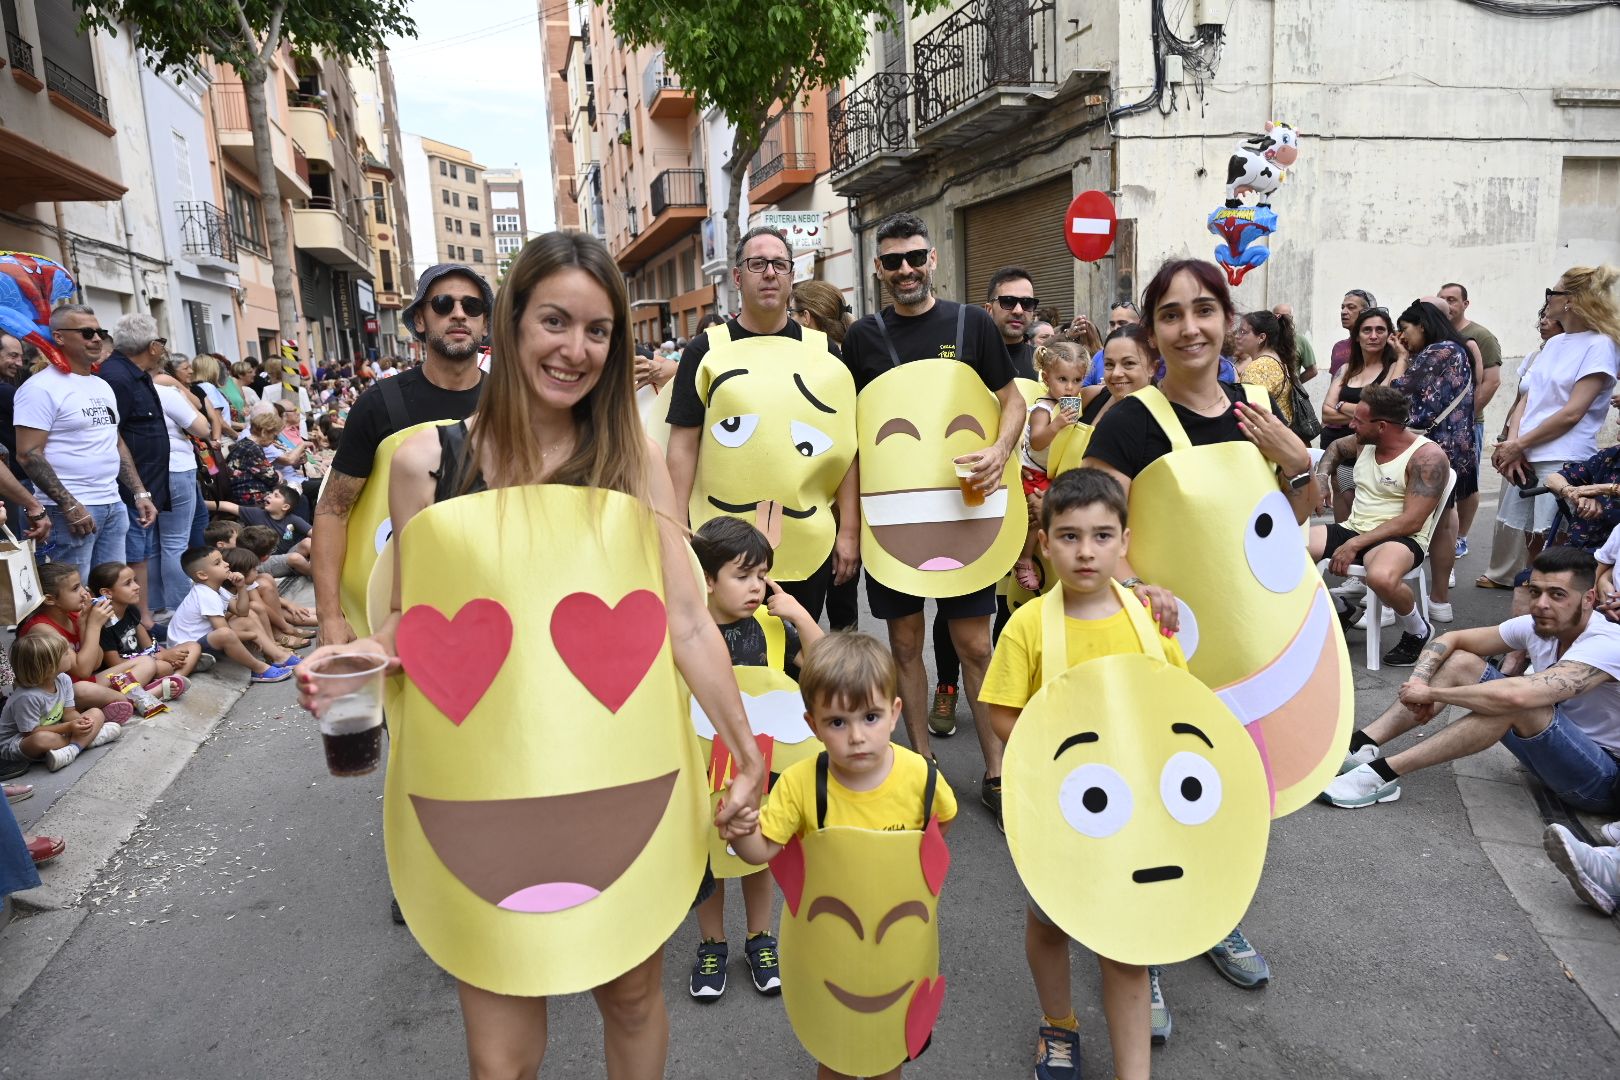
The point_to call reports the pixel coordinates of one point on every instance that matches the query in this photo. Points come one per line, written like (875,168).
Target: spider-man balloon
(1242,228)
(30,286)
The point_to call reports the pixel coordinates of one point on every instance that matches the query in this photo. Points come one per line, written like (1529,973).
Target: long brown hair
(825,305)
(610,448)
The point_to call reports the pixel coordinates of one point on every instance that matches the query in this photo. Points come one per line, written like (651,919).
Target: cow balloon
(1261,163)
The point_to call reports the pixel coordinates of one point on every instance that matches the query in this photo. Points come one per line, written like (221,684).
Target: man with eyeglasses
(68,442)
(451,316)
(1011,302)
(1124,313)
(762,272)
(921,327)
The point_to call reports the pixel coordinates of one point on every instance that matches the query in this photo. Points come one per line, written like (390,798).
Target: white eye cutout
(384,532)
(1095,800)
(1272,544)
(809,441)
(733,431)
(1187,635)
(1190,787)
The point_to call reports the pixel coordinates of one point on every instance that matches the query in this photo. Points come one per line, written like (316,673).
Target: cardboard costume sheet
(545,818)
(778,437)
(918,533)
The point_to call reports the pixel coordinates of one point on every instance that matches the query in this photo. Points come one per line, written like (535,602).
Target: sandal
(45,848)
(169,687)
(1483,582)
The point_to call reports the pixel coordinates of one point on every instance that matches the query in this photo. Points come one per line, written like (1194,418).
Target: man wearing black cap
(451,315)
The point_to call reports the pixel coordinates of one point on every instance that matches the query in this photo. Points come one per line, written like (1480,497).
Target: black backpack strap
(394,401)
(928,791)
(883,329)
(821,791)
(961,324)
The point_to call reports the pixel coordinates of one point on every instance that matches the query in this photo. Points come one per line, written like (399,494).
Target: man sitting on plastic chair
(1401,482)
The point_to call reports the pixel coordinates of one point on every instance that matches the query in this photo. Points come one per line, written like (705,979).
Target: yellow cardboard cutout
(1068,449)
(1257,624)
(654,410)
(545,815)
(1136,806)
(918,536)
(369,529)
(778,436)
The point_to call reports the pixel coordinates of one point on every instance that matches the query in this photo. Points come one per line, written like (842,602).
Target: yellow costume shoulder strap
(1055,634)
(1257,395)
(822,765)
(719,334)
(775,639)
(1158,407)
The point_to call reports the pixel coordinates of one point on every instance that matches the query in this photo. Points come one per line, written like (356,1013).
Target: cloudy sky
(474,77)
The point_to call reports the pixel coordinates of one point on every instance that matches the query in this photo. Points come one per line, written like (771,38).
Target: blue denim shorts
(1576,769)
(140,544)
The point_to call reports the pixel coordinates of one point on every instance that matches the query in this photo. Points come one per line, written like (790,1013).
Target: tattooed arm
(146,511)
(1426,474)
(31,456)
(1339,452)
(329,547)
(1564,680)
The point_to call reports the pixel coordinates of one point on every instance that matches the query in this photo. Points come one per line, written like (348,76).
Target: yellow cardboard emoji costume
(1068,448)
(778,437)
(860,938)
(1136,806)
(545,819)
(1017,596)
(369,529)
(918,535)
(775,715)
(653,408)
(1257,624)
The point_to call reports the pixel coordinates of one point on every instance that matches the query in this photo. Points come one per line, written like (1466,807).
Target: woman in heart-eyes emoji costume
(544,807)
(1219,489)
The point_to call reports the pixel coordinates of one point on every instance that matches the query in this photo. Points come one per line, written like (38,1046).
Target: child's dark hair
(53,576)
(191,560)
(220,530)
(105,576)
(259,539)
(36,659)
(241,561)
(290,493)
(723,539)
(1079,488)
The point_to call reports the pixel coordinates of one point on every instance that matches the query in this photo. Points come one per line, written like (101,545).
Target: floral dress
(1267,371)
(1602,468)
(1433,379)
(252,476)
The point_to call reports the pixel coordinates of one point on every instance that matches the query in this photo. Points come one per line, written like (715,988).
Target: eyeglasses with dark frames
(471,306)
(1008,303)
(758,264)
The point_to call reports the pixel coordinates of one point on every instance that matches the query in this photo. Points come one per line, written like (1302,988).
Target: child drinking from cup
(1062,367)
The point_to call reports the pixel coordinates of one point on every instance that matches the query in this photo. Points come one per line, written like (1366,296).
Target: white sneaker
(1360,787)
(1593,872)
(1352,588)
(1451,580)
(1357,758)
(109,733)
(61,757)
(1386,618)
(1610,833)
(1440,612)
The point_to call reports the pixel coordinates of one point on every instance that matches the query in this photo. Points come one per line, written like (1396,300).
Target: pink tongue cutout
(552,896)
(941,562)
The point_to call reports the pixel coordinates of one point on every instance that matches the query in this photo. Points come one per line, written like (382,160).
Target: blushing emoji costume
(1257,624)
(918,535)
(544,813)
(778,437)
(860,936)
(1136,806)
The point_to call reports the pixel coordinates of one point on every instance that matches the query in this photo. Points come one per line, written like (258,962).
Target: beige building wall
(457,201)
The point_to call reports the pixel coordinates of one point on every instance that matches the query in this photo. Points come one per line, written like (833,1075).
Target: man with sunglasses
(1011,302)
(68,442)
(450,315)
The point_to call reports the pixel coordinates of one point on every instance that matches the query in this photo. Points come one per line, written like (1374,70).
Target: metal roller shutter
(1022,229)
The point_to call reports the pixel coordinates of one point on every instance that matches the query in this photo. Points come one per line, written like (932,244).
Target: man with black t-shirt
(1011,302)
(919,327)
(763,274)
(451,314)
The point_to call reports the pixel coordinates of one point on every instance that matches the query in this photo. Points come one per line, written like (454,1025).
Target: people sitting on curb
(1594,872)
(224,623)
(1400,479)
(41,721)
(1561,720)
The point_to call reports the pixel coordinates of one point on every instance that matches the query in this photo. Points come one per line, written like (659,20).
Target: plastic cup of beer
(971,495)
(347,699)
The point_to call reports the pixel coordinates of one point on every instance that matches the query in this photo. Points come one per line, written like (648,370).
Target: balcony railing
(206,230)
(296,100)
(677,188)
(657,77)
(356,237)
(984,45)
(75,89)
(21,53)
(786,145)
(874,118)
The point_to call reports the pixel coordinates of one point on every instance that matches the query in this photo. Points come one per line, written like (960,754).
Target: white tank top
(1381,491)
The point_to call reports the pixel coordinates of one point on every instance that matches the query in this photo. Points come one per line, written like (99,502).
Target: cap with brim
(424,285)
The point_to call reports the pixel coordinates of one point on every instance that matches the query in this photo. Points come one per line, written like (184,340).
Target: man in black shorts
(1400,481)
(920,327)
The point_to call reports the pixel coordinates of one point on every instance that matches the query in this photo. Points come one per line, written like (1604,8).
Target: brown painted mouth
(864,1003)
(963,542)
(547,853)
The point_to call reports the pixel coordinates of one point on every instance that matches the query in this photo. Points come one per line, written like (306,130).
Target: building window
(502,267)
(379,204)
(478,255)
(458,225)
(472,177)
(477,229)
(508,245)
(444,194)
(449,224)
(507,223)
(455,198)
(385,260)
(202,331)
(444,168)
(472,202)
(243,208)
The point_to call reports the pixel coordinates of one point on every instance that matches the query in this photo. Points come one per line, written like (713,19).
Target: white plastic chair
(1420,573)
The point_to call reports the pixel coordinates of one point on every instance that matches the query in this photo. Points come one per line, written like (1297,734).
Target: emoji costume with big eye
(1136,807)
(544,812)
(775,715)
(778,436)
(860,938)
(1257,624)
(918,536)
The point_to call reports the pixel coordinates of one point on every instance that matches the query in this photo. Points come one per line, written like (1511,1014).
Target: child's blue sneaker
(291,661)
(1057,1054)
(763,964)
(709,972)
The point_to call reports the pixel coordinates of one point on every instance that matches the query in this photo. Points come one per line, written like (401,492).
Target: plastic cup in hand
(1069,404)
(347,699)
(971,495)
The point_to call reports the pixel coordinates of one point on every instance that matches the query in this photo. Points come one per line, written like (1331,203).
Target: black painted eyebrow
(805,390)
(722,377)
(1188,729)
(1074,740)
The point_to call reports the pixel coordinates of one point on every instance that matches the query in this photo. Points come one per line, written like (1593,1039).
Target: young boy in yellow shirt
(1083,535)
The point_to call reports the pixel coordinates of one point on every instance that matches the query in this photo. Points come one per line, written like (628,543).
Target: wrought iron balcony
(677,188)
(21,53)
(75,89)
(873,119)
(786,145)
(984,46)
(206,230)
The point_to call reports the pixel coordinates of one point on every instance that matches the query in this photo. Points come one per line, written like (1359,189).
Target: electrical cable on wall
(1522,10)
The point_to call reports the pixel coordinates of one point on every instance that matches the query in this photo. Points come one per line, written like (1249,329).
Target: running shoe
(1240,962)
(942,717)
(1408,649)
(1158,1011)
(1359,787)
(709,972)
(990,796)
(763,965)
(1593,872)
(1356,758)
(1057,1054)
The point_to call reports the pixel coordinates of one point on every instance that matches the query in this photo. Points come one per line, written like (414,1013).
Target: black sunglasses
(1556,292)
(1008,303)
(89,333)
(471,306)
(916,257)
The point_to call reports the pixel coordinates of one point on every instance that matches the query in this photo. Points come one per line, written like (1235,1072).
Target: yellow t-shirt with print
(1015,668)
(892,806)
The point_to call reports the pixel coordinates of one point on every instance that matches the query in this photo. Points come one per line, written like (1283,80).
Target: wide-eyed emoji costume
(1136,806)
(544,812)
(918,535)
(860,938)
(775,715)
(778,436)
(1257,624)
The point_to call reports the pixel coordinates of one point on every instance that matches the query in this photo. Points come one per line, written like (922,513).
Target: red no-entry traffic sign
(1090,225)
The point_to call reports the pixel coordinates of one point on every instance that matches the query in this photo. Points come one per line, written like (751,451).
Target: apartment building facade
(387,218)
(556,24)
(508,223)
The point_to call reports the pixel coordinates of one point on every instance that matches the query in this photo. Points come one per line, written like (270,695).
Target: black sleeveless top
(453,464)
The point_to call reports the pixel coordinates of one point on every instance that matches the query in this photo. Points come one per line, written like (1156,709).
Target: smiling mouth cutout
(865,1003)
(547,853)
(906,524)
